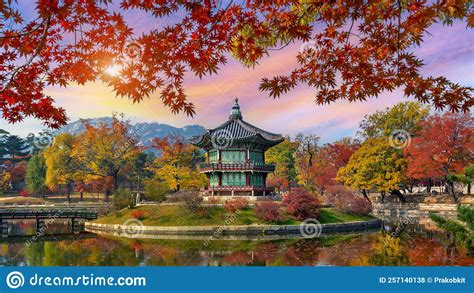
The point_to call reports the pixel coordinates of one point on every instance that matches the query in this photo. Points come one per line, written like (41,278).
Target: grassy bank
(175,215)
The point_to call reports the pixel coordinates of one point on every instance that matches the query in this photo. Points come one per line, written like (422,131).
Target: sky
(448,51)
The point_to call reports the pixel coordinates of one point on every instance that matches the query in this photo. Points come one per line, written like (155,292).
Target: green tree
(16,148)
(36,175)
(469,173)
(156,188)
(3,147)
(466,177)
(403,116)
(283,155)
(375,165)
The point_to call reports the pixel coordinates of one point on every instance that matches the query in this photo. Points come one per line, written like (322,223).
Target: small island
(236,197)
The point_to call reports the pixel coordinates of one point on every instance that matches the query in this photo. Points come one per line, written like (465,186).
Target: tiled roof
(237,130)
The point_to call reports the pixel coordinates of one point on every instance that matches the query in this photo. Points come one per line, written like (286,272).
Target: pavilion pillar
(232,192)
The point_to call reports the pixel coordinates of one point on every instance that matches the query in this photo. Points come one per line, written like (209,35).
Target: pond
(415,246)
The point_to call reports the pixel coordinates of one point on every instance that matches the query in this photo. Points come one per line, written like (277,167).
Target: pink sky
(449,52)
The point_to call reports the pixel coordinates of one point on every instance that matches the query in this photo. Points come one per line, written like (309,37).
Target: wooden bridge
(45,216)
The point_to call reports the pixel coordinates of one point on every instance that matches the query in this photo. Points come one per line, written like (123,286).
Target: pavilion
(235,162)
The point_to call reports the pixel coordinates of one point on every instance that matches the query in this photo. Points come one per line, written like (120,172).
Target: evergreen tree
(3,147)
(16,148)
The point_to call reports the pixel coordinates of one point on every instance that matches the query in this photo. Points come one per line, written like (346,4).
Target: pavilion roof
(236,130)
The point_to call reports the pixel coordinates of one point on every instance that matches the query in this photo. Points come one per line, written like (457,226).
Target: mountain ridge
(146,131)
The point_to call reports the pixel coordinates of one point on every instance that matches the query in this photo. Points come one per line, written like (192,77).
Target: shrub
(302,204)
(213,200)
(234,205)
(348,202)
(191,199)
(269,211)
(155,189)
(122,198)
(24,193)
(138,214)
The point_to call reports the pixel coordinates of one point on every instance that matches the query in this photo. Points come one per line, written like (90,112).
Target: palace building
(235,162)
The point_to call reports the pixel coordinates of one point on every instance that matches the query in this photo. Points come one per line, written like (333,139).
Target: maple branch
(25,33)
(33,56)
(350,31)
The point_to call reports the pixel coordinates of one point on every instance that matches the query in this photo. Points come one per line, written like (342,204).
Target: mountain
(145,131)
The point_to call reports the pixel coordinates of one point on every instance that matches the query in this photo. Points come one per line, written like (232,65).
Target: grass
(328,215)
(176,215)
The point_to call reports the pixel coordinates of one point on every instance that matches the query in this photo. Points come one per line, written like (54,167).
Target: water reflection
(361,250)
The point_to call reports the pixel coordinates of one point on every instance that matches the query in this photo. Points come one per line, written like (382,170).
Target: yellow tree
(375,165)
(106,151)
(61,166)
(176,164)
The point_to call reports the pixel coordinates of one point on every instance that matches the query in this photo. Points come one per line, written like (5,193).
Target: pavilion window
(214,180)
(213,156)
(256,157)
(233,156)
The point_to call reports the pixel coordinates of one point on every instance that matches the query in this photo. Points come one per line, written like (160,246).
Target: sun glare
(113,70)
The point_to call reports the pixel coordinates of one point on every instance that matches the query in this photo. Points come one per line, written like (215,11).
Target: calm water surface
(414,247)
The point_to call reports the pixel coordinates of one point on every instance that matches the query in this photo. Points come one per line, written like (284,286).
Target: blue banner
(237,279)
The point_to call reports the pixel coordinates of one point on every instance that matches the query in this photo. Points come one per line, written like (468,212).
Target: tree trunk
(364,193)
(139,183)
(382,196)
(116,181)
(451,190)
(107,195)
(469,189)
(82,196)
(399,195)
(428,188)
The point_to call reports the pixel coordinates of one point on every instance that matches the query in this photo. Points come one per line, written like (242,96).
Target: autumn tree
(36,175)
(283,156)
(445,145)
(176,163)
(331,157)
(306,152)
(375,165)
(352,50)
(106,151)
(61,165)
